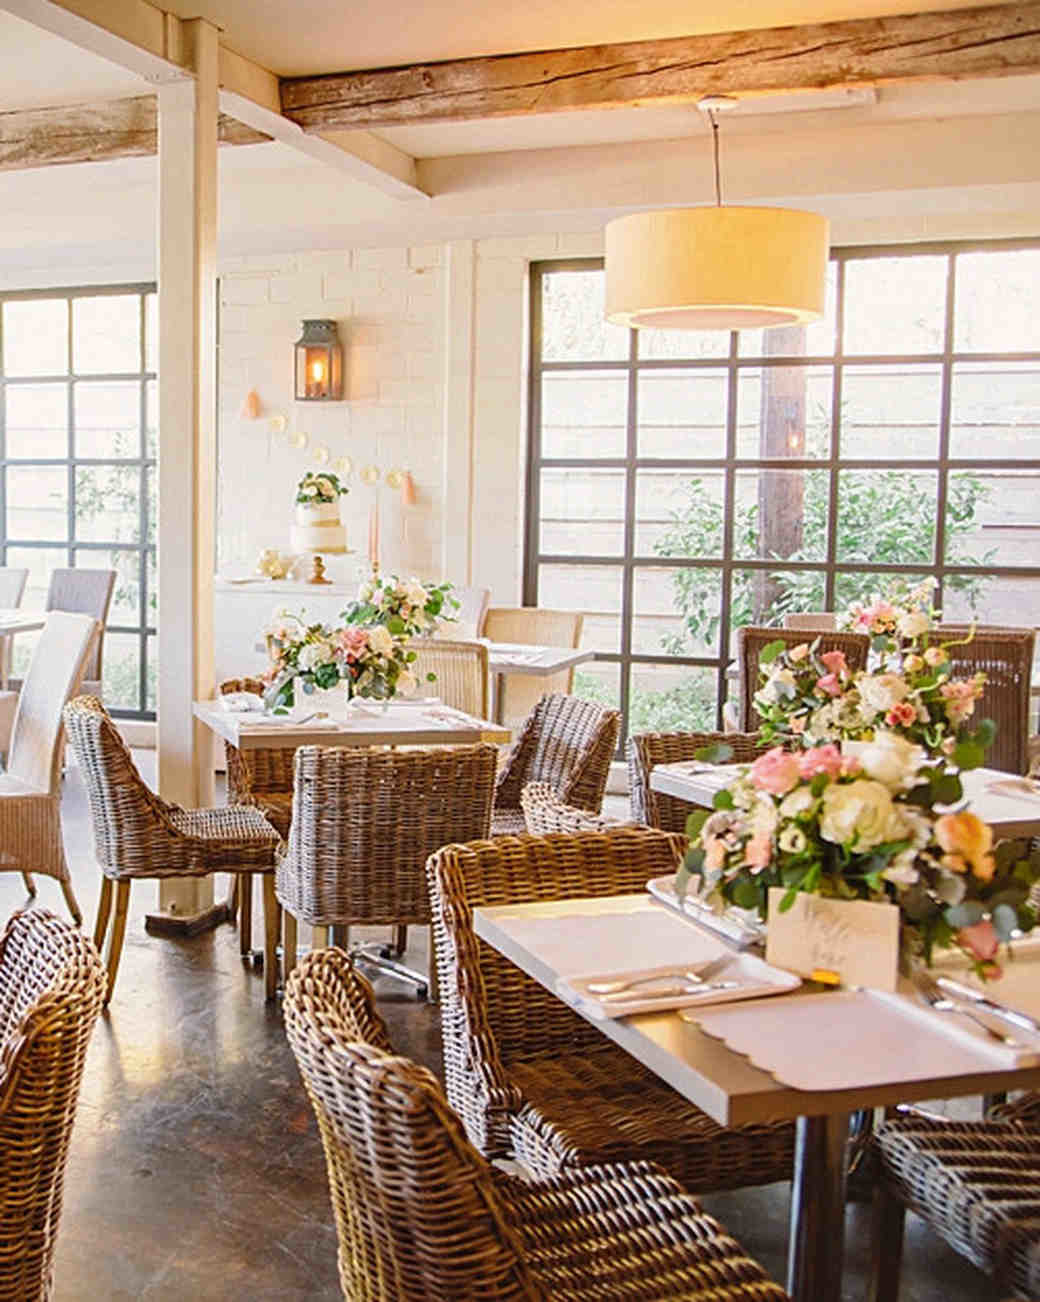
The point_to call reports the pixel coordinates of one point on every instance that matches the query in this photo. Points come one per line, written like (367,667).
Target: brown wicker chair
(422,1217)
(139,835)
(364,823)
(530,1078)
(1005,656)
(976,1184)
(566,742)
(545,812)
(648,749)
(751,641)
(261,779)
(51,987)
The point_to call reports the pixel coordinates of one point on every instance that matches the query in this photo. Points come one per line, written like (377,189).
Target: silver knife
(976,997)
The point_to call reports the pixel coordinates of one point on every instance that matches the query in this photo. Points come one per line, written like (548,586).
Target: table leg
(817,1237)
(498,692)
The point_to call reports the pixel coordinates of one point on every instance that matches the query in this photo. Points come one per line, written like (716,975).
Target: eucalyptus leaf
(771,650)
(745,895)
(965,914)
(1005,920)
(968,755)
(722,799)
(718,752)
(695,821)
(682,881)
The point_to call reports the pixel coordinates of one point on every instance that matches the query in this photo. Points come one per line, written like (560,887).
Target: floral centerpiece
(896,621)
(371,662)
(865,828)
(406,607)
(315,488)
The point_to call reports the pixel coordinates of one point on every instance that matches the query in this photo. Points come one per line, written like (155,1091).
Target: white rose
(856,814)
(763,815)
(416,593)
(799,801)
(406,682)
(901,871)
(792,840)
(380,641)
(366,592)
(879,692)
(891,759)
(912,623)
(782,683)
(314,654)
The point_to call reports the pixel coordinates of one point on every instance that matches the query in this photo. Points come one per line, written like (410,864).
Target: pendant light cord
(713,119)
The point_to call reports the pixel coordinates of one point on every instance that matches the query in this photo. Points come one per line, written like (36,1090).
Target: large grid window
(78,445)
(681,484)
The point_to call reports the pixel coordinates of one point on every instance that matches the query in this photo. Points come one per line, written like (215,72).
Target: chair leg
(288,943)
(319,937)
(72,902)
(232,900)
(245,913)
(115,943)
(30,885)
(886,1249)
(271,929)
(400,941)
(104,909)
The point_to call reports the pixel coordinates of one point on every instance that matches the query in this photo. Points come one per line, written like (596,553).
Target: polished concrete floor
(196,1171)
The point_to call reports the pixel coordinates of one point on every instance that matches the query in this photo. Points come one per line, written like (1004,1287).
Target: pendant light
(720,268)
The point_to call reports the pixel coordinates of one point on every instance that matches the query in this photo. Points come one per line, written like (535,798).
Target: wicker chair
(751,641)
(84,592)
(364,823)
(519,694)
(976,1184)
(1005,655)
(137,834)
(12,586)
(545,812)
(461,670)
(51,986)
(261,779)
(422,1217)
(812,621)
(531,1079)
(30,789)
(566,742)
(648,749)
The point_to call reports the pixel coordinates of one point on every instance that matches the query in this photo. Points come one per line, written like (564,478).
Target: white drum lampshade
(716,268)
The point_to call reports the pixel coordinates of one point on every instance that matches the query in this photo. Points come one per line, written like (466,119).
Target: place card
(856,942)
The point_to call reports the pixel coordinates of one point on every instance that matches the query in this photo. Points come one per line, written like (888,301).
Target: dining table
(13,621)
(531,661)
(857,1071)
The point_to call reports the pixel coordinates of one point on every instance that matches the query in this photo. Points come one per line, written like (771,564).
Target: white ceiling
(38,69)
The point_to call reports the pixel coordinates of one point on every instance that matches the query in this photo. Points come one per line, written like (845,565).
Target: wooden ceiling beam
(988,41)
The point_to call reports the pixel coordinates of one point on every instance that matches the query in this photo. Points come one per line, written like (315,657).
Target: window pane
(895,305)
(890,412)
(599,681)
(886,517)
(121,671)
(584,414)
(37,420)
(574,328)
(36,336)
(672,698)
(151,332)
(683,345)
(583,512)
(593,589)
(152,672)
(108,419)
(1009,601)
(995,410)
(106,334)
(126,595)
(152,613)
(682,414)
(151,479)
(784,411)
(863,585)
(679,513)
(151,416)
(993,518)
(108,503)
(781,514)
(37,503)
(815,340)
(995,306)
(763,597)
(676,611)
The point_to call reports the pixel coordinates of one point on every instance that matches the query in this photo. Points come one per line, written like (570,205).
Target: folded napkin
(241,702)
(1015,787)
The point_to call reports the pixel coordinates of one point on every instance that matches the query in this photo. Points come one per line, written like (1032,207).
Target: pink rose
(352,640)
(776,771)
(980,940)
(902,714)
(828,685)
(834,661)
(821,759)
(758,851)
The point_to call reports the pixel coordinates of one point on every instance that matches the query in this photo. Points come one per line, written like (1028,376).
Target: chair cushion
(12,786)
(233,823)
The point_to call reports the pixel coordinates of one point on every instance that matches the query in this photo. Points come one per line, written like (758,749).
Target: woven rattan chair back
(1005,656)
(12,586)
(492,1013)
(470,615)
(84,592)
(528,625)
(568,743)
(460,672)
(364,823)
(751,641)
(54,675)
(812,621)
(51,987)
(417,1216)
(648,749)
(545,812)
(265,770)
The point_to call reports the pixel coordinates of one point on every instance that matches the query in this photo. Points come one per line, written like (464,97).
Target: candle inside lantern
(318,370)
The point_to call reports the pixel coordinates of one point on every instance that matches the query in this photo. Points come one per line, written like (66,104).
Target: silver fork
(692,976)
(930,992)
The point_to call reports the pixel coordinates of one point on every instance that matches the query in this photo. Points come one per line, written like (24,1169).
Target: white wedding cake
(318,527)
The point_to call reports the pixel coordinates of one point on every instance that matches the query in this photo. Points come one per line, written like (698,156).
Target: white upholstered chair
(461,670)
(30,789)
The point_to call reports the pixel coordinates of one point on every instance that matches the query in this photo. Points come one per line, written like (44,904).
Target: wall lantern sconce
(319,363)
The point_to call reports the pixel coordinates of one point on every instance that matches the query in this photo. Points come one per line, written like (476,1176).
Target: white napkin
(241,702)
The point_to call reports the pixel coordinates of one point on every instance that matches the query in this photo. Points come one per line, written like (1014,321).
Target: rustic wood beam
(91,133)
(989,41)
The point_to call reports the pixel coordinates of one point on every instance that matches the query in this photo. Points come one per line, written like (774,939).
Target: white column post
(187,224)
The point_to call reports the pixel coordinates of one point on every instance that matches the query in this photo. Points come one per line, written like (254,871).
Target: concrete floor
(196,1171)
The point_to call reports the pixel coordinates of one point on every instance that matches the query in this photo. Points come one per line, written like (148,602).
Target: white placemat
(848,1039)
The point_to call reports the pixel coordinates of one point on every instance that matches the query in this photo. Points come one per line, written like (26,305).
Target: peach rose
(828,685)
(834,661)
(980,940)
(758,851)
(967,837)
(903,713)
(935,656)
(913,664)
(821,759)
(776,771)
